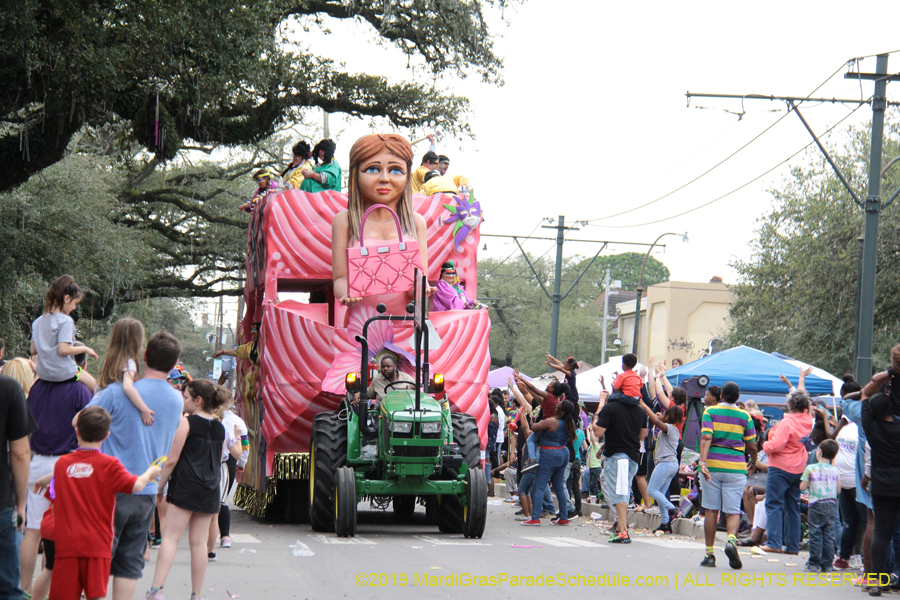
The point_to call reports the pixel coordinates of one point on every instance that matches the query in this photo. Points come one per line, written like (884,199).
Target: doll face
(382,178)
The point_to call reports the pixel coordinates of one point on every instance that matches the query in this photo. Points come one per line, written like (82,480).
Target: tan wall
(684,317)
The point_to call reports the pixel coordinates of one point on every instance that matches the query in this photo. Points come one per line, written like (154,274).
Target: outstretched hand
(805,372)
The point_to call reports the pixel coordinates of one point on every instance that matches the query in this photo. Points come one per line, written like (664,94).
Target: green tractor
(408,449)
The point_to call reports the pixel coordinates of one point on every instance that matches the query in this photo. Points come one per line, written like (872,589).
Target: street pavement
(414,560)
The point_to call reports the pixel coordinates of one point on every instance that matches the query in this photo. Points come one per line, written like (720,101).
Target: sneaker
(530,465)
(840,563)
(674,513)
(154,595)
(664,528)
(522,518)
(154,543)
(620,538)
(653,510)
(734,559)
(708,561)
(519,512)
(558,521)
(856,561)
(226,541)
(615,526)
(546,514)
(211,556)
(532,522)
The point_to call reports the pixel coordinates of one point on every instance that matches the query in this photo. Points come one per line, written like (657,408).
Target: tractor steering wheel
(399,381)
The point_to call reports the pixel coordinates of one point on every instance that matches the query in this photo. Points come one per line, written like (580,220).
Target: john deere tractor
(410,448)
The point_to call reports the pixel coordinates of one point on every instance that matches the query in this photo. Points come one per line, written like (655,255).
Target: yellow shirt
(295,177)
(445,184)
(417,182)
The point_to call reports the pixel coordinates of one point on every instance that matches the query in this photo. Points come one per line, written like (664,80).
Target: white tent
(589,381)
(835,382)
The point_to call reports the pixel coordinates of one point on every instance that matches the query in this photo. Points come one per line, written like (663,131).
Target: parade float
(306,348)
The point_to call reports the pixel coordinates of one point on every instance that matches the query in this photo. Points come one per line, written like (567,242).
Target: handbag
(384,268)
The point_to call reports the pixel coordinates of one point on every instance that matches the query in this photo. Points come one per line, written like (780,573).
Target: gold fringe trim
(291,465)
(286,465)
(255,501)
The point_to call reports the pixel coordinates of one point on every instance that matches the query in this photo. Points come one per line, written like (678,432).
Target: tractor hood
(400,405)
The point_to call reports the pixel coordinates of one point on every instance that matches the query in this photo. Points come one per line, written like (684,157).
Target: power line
(497,266)
(760,176)
(720,163)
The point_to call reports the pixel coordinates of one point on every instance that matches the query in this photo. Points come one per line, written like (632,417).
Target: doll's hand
(349,301)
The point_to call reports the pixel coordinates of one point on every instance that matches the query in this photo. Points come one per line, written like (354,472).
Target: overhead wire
(720,163)
(497,266)
(760,176)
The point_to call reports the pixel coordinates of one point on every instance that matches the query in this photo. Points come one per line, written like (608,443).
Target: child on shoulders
(121,363)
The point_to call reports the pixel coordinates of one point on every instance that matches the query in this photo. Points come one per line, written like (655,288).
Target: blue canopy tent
(755,371)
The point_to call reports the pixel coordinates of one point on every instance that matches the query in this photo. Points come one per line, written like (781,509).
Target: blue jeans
(853,515)
(783,510)
(552,469)
(9,557)
(658,488)
(531,443)
(594,484)
(821,521)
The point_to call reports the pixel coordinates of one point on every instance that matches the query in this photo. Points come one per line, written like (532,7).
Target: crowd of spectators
(809,477)
(80,474)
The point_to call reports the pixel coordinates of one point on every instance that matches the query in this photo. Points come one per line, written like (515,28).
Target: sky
(593,119)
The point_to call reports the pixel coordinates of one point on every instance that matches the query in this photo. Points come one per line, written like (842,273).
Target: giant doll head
(369,148)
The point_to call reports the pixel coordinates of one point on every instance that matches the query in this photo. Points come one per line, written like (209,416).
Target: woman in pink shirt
(787,460)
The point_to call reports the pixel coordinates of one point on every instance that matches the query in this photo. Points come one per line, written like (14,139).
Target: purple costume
(448,297)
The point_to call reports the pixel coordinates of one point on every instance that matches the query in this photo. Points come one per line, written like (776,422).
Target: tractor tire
(475,513)
(345,502)
(327,453)
(450,512)
(404,507)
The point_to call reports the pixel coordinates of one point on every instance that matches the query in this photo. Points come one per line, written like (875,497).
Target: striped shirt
(730,428)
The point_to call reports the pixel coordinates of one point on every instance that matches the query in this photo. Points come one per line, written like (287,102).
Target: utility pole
(556,298)
(873,209)
(557,276)
(605,316)
(872,204)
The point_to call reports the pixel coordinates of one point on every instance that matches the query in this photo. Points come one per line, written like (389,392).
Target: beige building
(685,318)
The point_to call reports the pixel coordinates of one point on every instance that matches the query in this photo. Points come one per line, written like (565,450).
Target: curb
(685,527)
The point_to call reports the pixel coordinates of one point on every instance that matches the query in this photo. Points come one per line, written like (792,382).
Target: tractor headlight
(434,427)
(401,426)
(350,381)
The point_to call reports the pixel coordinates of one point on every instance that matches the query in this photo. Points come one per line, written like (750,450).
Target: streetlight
(640,289)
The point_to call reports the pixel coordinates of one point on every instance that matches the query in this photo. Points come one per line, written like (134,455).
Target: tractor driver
(387,373)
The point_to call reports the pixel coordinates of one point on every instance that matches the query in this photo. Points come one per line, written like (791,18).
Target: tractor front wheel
(450,512)
(475,513)
(345,502)
(327,453)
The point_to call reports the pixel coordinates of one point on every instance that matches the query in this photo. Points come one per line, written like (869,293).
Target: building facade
(685,319)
